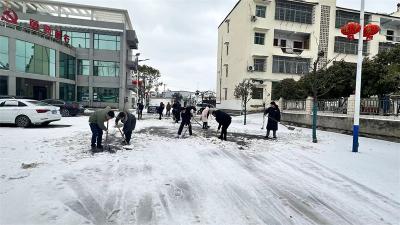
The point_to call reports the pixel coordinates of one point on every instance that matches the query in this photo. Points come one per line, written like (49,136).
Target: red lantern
(370,30)
(351,29)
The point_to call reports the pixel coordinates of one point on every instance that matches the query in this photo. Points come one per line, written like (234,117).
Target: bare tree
(244,91)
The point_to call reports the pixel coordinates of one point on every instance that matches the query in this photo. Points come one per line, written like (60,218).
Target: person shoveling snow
(129,121)
(96,123)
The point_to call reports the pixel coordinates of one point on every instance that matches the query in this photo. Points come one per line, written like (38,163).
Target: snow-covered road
(196,180)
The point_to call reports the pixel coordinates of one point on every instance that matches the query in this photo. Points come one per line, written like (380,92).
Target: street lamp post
(358,81)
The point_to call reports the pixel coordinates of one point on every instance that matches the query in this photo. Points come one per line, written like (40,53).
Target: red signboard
(10,16)
(34,24)
(47,30)
(58,34)
(66,38)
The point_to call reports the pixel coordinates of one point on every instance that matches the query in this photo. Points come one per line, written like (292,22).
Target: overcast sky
(180,36)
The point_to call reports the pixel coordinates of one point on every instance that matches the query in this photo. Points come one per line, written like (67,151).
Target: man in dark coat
(140,110)
(168,110)
(223,120)
(186,115)
(176,111)
(161,109)
(274,116)
(129,121)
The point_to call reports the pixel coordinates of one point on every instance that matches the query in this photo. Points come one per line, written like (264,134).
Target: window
(83,94)
(283,43)
(67,66)
(226,93)
(227,25)
(260,11)
(290,65)
(67,92)
(226,70)
(346,46)
(105,69)
(4,64)
(297,46)
(107,42)
(83,67)
(33,58)
(389,35)
(105,95)
(78,39)
(294,12)
(276,42)
(343,17)
(257,93)
(259,38)
(3,85)
(259,65)
(227,49)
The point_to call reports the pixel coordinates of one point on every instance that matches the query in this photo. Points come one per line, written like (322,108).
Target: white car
(25,112)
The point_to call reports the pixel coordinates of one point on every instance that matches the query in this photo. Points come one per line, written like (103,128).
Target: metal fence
(333,105)
(294,105)
(375,106)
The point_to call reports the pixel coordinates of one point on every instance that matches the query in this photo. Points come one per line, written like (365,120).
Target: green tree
(381,75)
(288,89)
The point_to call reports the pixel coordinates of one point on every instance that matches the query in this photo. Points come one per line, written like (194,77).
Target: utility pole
(356,125)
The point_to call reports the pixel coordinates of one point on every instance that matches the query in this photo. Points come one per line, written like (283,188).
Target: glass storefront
(78,39)
(83,67)
(105,69)
(107,42)
(106,95)
(4,64)
(83,94)
(35,89)
(3,85)
(67,66)
(33,58)
(67,92)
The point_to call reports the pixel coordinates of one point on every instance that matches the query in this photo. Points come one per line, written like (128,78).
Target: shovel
(288,127)
(123,136)
(107,145)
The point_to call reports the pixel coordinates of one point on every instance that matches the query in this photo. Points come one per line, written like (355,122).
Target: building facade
(54,50)
(265,41)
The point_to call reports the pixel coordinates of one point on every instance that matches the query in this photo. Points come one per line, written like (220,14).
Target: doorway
(39,93)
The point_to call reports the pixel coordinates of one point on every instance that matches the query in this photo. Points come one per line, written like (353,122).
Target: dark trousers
(205,125)
(181,128)
(128,136)
(177,116)
(224,130)
(273,131)
(168,113)
(140,114)
(160,115)
(97,134)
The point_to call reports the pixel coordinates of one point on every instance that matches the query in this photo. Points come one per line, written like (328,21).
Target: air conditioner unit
(253,18)
(250,68)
